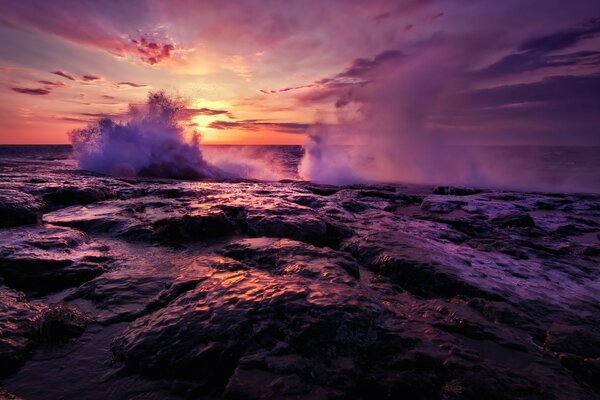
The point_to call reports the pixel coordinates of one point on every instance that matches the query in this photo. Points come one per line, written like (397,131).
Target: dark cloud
(357,74)
(362,66)
(207,111)
(555,89)
(563,39)
(75,119)
(95,116)
(151,51)
(51,83)
(35,92)
(63,74)
(403,8)
(251,124)
(105,96)
(287,89)
(524,62)
(546,110)
(132,84)
(536,53)
(90,78)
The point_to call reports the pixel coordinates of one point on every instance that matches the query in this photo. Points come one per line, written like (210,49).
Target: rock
(4,395)
(441,205)
(233,319)
(582,341)
(290,257)
(322,190)
(46,258)
(62,196)
(587,369)
(150,219)
(304,227)
(18,208)
(195,226)
(515,220)
(413,265)
(455,191)
(121,295)
(24,325)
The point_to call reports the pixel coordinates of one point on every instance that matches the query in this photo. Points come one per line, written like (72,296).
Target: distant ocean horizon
(560,168)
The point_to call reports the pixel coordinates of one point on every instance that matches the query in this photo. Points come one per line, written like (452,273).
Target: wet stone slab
(259,290)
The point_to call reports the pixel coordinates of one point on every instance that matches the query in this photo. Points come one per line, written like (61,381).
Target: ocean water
(537,168)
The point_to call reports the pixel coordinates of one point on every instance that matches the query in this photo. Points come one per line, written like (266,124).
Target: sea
(543,168)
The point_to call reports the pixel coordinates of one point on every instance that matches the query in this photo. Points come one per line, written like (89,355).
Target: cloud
(362,66)
(63,74)
(252,125)
(355,74)
(51,83)
(287,89)
(90,78)
(113,116)
(105,27)
(563,38)
(537,53)
(35,92)
(105,96)
(190,112)
(151,51)
(132,84)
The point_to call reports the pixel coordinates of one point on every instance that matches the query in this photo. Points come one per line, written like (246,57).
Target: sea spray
(151,143)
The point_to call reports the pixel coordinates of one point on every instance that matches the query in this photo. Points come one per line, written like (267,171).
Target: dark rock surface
(150,288)
(46,258)
(18,208)
(24,325)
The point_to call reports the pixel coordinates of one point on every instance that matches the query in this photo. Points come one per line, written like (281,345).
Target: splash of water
(151,143)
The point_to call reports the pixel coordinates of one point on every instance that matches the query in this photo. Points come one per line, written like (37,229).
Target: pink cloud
(63,74)
(35,92)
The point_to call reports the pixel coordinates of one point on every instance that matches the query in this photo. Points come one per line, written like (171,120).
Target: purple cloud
(35,92)
(63,74)
(132,84)
(251,124)
(90,78)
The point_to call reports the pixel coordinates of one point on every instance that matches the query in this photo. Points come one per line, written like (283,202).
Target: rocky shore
(160,289)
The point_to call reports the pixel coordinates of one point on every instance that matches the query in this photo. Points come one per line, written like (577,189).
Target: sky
(271,72)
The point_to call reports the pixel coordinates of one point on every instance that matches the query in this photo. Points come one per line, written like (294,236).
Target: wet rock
(582,341)
(289,257)
(354,206)
(18,208)
(455,191)
(304,227)
(121,295)
(63,196)
(61,322)
(247,320)
(504,313)
(24,324)
(150,219)
(114,217)
(249,334)
(515,220)
(442,205)
(18,320)
(413,265)
(195,226)
(47,258)
(578,349)
(322,190)
(588,369)
(4,395)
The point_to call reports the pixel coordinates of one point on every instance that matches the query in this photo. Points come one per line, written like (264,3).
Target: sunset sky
(503,72)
